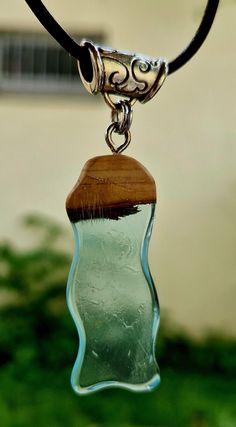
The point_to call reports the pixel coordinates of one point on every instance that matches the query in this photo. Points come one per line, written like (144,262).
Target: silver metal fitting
(124,74)
(122,116)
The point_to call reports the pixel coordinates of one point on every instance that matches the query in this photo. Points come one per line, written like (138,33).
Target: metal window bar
(33,63)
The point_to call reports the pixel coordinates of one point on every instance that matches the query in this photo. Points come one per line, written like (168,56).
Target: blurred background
(186,138)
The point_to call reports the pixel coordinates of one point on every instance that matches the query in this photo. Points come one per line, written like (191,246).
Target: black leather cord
(82,54)
(198,39)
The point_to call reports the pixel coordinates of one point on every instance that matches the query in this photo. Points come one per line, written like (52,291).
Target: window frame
(49,84)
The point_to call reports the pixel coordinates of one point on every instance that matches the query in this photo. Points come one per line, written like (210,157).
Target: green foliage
(38,345)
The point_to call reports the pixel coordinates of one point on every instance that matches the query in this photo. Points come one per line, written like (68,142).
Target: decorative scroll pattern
(135,78)
(121,73)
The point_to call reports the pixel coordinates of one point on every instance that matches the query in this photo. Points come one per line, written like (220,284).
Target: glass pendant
(110,292)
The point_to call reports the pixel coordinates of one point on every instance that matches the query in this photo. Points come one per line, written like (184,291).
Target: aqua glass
(113,302)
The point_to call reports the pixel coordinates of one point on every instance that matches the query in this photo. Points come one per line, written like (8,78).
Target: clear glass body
(113,302)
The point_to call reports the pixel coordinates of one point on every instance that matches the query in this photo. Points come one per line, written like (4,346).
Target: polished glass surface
(114,304)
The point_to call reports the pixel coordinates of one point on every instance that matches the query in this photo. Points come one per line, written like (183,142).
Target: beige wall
(186,138)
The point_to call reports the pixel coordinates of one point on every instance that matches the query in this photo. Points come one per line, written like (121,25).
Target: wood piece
(110,186)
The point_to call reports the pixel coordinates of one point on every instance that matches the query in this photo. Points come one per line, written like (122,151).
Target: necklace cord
(82,53)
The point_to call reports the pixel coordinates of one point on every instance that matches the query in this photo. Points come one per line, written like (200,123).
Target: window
(34,62)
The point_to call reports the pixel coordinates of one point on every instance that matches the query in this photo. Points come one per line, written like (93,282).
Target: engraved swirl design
(135,78)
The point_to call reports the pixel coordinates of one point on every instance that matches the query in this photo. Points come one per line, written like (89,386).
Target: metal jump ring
(122,116)
(113,105)
(113,128)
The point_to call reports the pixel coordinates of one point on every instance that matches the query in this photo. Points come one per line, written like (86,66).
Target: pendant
(110,291)
(111,295)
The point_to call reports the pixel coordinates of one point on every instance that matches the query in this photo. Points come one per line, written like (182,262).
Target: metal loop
(114,105)
(110,130)
(122,116)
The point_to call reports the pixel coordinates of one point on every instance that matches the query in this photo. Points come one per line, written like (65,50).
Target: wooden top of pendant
(110,187)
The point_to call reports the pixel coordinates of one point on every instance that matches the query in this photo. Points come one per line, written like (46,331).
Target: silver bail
(120,73)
